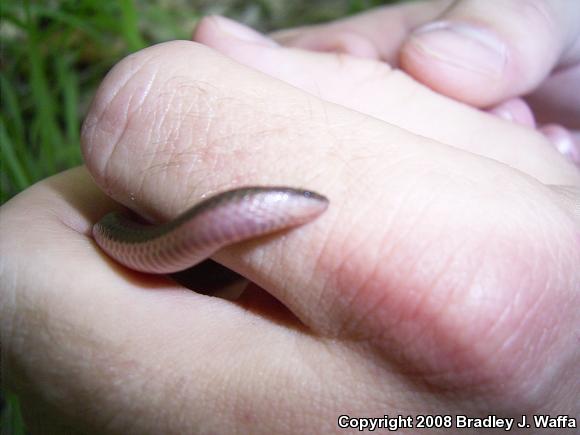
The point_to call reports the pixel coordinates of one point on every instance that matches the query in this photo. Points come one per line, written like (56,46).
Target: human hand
(487,54)
(438,282)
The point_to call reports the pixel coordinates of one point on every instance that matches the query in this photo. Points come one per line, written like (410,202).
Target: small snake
(219,221)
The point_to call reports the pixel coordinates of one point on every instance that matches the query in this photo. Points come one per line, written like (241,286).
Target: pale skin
(519,57)
(443,278)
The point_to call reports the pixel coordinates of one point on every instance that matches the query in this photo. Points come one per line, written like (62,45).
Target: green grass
(55,53)
(53,57)
(11,419)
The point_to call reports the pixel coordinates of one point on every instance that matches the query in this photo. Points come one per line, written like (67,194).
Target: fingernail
(241,32)
(562,140)
(462,45)
(515,110)
(503,112)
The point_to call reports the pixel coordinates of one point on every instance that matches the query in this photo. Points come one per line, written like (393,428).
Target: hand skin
(479,52)
(443,278)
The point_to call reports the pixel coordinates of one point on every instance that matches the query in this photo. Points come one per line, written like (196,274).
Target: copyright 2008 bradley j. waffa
(395,423)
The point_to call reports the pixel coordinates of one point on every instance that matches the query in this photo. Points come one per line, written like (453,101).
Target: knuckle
(147,114)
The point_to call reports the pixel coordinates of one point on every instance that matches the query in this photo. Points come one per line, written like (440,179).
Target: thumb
(483,52)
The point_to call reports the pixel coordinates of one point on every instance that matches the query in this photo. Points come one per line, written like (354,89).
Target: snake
(221,220)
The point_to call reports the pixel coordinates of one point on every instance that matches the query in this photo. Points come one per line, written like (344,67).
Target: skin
(476,51)
(439,280)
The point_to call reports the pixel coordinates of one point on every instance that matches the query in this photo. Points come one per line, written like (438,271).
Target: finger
(563,141)
(377,34)
(376,90)
(82,337)
(460,70)
(515,110)
(378,266)
(483,52)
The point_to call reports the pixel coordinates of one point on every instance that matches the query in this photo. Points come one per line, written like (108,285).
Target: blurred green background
(54,54)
